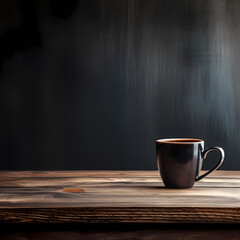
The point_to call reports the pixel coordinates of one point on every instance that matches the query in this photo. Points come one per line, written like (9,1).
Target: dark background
(92,84)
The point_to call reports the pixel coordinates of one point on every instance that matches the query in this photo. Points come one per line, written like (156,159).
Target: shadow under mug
(180,161)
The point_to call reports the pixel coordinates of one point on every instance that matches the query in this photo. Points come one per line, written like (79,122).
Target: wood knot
(73,190)
(38,174)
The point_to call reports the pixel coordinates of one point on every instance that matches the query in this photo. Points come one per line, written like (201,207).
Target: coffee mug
(180,161)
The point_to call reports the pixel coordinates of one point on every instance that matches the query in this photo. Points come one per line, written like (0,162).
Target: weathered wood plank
(120,215)
(116,196)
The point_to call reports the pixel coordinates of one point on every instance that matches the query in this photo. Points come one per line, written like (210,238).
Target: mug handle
(204,155)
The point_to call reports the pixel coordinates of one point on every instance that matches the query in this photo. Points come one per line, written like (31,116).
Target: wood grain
(116,196)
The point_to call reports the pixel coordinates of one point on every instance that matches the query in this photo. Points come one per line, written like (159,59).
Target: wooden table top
(116,196)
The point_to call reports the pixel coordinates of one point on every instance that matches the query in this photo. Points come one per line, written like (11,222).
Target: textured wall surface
(93,84)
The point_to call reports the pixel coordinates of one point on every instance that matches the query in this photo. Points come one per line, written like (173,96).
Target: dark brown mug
(180,161)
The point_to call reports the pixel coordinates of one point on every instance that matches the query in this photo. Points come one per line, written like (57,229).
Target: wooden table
(116,197)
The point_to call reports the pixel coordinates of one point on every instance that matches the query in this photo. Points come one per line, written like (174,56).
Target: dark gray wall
(92,84)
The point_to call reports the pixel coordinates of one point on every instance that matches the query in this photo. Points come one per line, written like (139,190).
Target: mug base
(177,187)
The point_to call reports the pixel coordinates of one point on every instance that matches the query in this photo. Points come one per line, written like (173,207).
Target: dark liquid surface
(183,140)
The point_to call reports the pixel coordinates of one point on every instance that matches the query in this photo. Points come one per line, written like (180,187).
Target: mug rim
(175,140)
